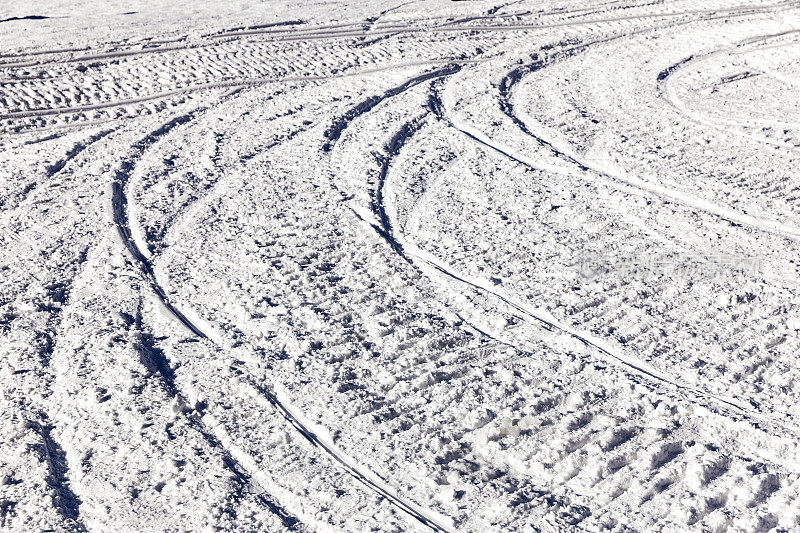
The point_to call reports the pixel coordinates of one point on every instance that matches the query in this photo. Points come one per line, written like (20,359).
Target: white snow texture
(409,265)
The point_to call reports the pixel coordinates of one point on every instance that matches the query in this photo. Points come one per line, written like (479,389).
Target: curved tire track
(322,33)
(24,109)
(604,347)
(119,201)
(630,183)
(665,79)
(315,435)
(429,264)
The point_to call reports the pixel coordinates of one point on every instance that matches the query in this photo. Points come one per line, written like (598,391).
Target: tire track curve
(118,206)
(429,264)
(228,84)
(665,81)
(312,432)
(588,339)
(626,182)
(40,109)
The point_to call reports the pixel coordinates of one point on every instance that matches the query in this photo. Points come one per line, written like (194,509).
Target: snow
(405,266)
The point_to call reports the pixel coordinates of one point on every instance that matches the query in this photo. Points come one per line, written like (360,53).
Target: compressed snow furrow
(431,264)
(660,458)
(195,325)
(292,414)
(766,225)
(591,340)
(564,152)
(36,414)
(320,437)
(81,390)
(35,113)
(518,266)
(87,104)
(658,486)
(410,252)
(667,91)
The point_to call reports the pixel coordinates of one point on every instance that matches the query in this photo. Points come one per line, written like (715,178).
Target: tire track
(157,361)
(414,255)
(73,152)
(335,130)
(665,81)
(313,433)
(232,84)
(278,400)
(384,228)
(313,34)
(431,265)
(20,99)
(24,196)
(149,351)
(325,34)
(628,183)
(184,213)
(610,351)
(58,284)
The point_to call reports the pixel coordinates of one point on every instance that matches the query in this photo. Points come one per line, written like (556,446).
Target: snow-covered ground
(407,265)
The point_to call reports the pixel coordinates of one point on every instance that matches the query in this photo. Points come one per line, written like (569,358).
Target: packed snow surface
(392,266)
